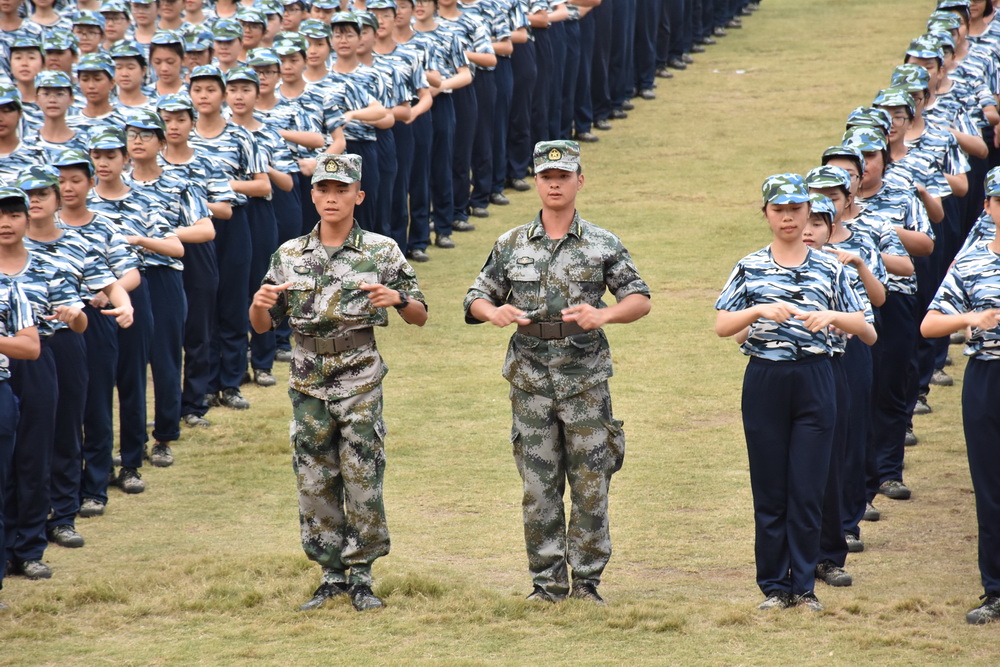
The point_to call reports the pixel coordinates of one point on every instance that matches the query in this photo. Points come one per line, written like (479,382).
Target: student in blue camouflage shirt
(55,95)
(96,80)
(789,295)
(27,59)
(15,155)
(166,60)
(130,76)
(970,297)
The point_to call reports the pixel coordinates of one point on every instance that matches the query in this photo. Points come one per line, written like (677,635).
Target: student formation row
(878,255)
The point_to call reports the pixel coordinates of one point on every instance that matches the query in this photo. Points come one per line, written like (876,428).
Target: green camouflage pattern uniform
(563,427)
(337,432)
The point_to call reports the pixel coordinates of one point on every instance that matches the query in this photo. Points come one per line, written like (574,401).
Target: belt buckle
(550,330)
(325,346)
(342,343)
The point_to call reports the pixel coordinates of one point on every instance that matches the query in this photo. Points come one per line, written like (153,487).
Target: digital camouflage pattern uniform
(563,427)
(337,431)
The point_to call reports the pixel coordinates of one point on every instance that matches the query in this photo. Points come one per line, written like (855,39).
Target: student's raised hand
(985,319)
(506,314)
(122,315)
(817,320)
(267,295)
(585,315)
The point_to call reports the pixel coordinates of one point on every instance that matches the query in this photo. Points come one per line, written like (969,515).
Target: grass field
(206,567)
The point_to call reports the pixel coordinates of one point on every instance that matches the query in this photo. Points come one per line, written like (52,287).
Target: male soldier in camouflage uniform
(335,284)
(548,277)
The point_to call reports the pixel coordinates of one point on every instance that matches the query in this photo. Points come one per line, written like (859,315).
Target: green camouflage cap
(345,168)
(784,189)
(227,30)
(72,157)
(88,17)
(927,46)
(828,177)
(242,74)
(911,78)
(107,137)
(10,95)
(865,139)
(870,117)
(315,28)
(954,4)
(944,40)
(366,18)
(943,22)
(128,48)
(37,177)
(175,102)
(53,79)
(895,97)
(992,183)
(822,204)
(344,18)
(25,40)
(144,119)
(167,37)
(372,5)
(326,4)
(15,193)
(561,154)
(96,62)
(289,43)
(262,57)
(60,39)
(269,7)
(246,14)
(849,152)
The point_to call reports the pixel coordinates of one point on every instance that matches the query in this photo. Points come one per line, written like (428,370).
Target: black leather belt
(351,340)
(551,330)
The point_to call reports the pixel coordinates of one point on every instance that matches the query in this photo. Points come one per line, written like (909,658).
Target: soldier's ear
(580,181)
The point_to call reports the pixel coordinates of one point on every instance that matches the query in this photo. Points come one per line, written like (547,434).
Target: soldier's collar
(537,230)
(354,240)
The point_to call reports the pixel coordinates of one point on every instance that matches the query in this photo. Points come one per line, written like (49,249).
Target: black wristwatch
(404,300)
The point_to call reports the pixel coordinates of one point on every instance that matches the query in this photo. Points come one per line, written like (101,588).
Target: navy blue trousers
(9,415)
(166,294)
(789,421)
(288,214)
(540,94)
(621,68)
(399,214)
(556,74)
(583,104)
(600,83)
(571,76)
(133,358)
(982,435)
(233,252)
(504,77)
(442,185)
(98,420)
(679,39)
(264,241)
(519,134)
(485,85)
(420,178)
(466,112)
(26,496)
(201,288)
(309,214)
(69,352)
(832,543)
(365,214)
(894,376)
(857,363)
(648,15)
(385,145)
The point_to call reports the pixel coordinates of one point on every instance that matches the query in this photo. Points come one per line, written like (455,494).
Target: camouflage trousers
(339,460)
(555,440)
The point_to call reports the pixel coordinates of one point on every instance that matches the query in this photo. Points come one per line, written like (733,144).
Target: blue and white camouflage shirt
(16,314)
(973,284)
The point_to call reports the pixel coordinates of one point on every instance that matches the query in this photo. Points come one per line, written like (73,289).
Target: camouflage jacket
(323,300)
(541,276)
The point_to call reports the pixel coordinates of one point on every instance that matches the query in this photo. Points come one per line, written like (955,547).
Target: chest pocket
(354,300)
(302,297)
(586,284)
(525,283)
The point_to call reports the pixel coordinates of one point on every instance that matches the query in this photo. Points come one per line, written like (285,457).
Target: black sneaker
(809,601)
(871,513)
(363,599)
(519,184)
(35,569)
(282,355)
(194,420)
(324,593)
(444,241)
(895,489)
(618,114)
(212,400)
(91,507)
(499,199)
(539,594)
(833,575)
(418,255)
(584,590)
(910,439)
(478,212)
(65,536)
(854,543)
(130,481)
(922,407)
(161,456)
(263,378)
(941,379)
(987,612)
(463,226)
(232,398)
(778,600)
(602,124)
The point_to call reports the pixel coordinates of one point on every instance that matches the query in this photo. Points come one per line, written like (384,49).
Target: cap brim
(563,166)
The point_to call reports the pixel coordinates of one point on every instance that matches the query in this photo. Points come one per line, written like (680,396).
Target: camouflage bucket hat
(822,204)
(992,182)
(870,117)
(784,189)
(562,154)
(15,193)
(74,158)
(345,168)
(10,95)
(911,78)
(895,97)
(865,139)
(106,137)
(828,177)
(37,177)
(849,152)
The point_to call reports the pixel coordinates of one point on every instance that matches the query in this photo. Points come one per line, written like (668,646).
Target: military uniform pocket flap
(524,273)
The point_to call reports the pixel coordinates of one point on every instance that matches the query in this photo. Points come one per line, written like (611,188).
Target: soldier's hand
(122,315)
(381,296)
(506,314)
(585,315)
(267,295)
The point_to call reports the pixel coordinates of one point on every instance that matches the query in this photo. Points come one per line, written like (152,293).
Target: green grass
(206,567)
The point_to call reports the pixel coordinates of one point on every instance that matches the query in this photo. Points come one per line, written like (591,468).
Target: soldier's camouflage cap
(26,40)
(60,39)
(37,177)
(822,204)
(88,17)
(106,137)
(226,30)
(895,97)
(96,62)
(828,176)
(561,154)
(250,15)
(849,152)
(175,102)
(10,95)
(865,139)
(242,74)
(315,28)
(366,18)
(345,168)
(911,78)
(927,46)
(380,4)
(992,183)
(52,79)
(784,189)
(15,193)
(870,117)
(73,157)
(145,120)
(262,57)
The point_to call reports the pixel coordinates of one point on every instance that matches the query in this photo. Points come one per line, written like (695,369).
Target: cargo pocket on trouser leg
(616,444)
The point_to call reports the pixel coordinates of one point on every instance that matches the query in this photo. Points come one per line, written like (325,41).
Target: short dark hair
(173,46)
(13,205)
